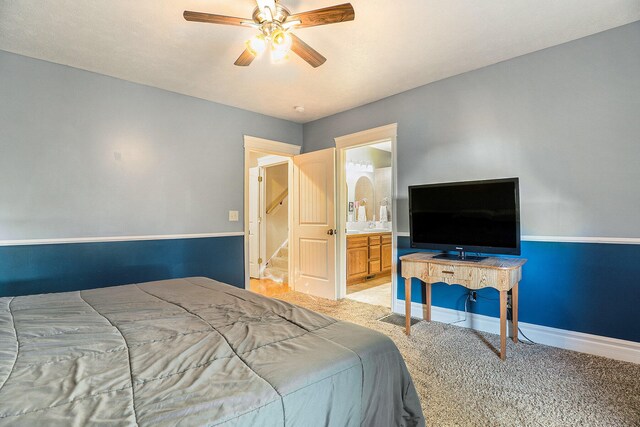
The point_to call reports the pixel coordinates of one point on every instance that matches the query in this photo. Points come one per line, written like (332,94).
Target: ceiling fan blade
(245,58)
(327,15)
(214,19)
(306,52)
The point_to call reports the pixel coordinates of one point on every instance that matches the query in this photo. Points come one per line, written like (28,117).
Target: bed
(193,351)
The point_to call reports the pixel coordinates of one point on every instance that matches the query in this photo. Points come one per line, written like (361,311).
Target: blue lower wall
(38,269)
(585,287)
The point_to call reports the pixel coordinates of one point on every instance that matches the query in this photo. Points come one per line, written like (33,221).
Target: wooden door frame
(359,139)
(266,146)
(261,245)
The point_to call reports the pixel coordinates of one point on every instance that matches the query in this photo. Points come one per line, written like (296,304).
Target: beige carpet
(378,295)
(462,382)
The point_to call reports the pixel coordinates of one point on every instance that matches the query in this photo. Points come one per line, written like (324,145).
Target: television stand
(502,274)
(462,256)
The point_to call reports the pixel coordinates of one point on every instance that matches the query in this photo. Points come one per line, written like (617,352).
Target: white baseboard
(613,348)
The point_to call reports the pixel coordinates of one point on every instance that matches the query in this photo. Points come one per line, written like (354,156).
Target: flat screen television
(471,216)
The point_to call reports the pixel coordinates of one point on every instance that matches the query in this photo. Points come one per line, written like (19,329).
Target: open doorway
(311,219)
(368,174)
(268,223)
(367,195)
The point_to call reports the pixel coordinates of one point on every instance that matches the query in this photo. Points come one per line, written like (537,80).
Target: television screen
(474,216)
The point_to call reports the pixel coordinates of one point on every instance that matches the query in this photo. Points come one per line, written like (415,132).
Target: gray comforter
(193,352)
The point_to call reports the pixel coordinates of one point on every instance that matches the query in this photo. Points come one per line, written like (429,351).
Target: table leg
(427,289)
(514,311)
(407,305)
(503,325)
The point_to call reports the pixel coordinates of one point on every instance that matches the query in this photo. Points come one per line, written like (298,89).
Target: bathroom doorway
(368,212)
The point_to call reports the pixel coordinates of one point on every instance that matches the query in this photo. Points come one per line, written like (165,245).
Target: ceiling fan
(275,23)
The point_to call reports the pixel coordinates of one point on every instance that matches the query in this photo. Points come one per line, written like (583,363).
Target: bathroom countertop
(367,231)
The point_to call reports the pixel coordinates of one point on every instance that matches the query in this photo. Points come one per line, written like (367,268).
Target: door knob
(331,232)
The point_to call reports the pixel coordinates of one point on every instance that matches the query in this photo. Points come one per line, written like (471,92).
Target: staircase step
(276,274)
(279,262)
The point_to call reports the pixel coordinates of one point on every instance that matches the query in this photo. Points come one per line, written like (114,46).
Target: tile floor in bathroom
(375,291)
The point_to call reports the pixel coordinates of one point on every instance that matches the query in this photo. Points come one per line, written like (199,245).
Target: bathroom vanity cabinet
(368,256)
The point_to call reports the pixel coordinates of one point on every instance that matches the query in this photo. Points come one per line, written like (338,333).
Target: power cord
(466,301)
(510,317)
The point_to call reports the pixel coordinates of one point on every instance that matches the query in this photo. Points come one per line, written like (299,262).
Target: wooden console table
(502,274)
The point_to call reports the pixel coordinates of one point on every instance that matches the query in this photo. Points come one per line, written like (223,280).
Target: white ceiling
(392,46)
(384,146)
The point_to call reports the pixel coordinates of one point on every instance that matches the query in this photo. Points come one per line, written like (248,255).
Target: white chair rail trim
(570,239)
(24,242)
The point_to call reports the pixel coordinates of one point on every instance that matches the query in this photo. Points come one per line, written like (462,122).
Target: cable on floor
(510,317)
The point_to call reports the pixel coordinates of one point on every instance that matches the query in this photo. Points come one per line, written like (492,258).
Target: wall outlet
(233,216)
(473,296)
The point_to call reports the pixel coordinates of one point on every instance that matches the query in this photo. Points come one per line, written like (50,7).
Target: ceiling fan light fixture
(279,55)
(281,40)
(274,21)
(257,44)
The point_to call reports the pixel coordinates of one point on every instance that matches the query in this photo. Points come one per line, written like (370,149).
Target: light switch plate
(233,215)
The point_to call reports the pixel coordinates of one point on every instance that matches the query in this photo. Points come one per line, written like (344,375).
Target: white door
(314,223)
(254,222)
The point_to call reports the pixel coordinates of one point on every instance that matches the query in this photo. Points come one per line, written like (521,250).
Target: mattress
(193,351)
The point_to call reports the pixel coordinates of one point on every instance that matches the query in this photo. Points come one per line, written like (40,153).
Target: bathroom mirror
(364,191)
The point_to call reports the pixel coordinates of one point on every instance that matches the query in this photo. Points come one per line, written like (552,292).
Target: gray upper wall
(86,155)
(566,120)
